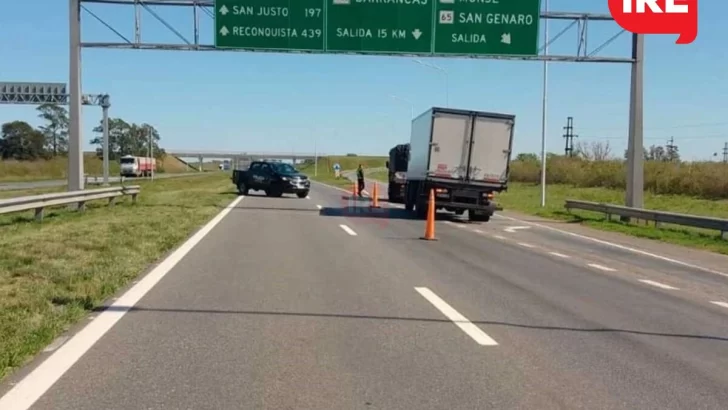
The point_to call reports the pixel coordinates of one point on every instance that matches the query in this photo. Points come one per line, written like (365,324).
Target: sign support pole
(75,149)
(635,144)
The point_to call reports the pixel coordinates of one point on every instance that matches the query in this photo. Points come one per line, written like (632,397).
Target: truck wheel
(421,209)
(242,188)
(474,217)
(459,211)
(302,194)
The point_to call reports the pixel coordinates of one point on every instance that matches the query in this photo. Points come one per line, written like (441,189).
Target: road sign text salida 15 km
(424,27)
(658,17)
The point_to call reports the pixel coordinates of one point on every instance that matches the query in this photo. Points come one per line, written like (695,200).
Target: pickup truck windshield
(284,168)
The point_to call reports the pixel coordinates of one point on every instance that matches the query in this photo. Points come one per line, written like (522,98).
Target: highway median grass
(325,173)
(54,272)
(56,168)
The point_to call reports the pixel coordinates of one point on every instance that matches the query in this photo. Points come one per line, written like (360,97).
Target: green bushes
(699,179)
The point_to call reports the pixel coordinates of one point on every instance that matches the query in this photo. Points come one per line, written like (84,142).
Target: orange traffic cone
(430,224)
(375,196)
(355,189)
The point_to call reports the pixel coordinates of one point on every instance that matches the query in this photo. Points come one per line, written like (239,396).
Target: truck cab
(274,178)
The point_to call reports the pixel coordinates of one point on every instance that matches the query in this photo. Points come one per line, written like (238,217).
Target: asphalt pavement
(95,180)
(326,303)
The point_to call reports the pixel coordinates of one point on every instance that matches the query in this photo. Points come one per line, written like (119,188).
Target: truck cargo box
(461,146)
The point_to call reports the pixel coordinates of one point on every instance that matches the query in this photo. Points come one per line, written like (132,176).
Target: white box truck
(464,156)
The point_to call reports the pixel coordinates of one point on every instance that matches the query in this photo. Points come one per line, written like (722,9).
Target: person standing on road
(360,179)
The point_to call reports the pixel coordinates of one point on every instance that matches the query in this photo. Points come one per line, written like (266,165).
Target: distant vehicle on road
(464,156)
(132,166)
(274,178)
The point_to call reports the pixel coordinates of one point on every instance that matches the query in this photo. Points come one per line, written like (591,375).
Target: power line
(692,137)
(569,136)
(671,127)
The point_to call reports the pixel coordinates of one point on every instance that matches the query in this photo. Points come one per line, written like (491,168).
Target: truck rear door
(450,145)
(491,148)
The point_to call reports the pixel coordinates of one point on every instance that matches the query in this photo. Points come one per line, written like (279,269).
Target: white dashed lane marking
(601,267)
(658,284)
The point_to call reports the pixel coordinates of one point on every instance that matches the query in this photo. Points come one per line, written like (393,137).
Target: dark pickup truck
(275,178)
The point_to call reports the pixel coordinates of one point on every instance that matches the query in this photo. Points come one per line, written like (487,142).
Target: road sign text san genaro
(420,27)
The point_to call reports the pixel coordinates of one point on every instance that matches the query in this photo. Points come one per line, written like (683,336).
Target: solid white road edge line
(347,230)
(35,384)
(658,284)
(616,245)
(721,304)
(463,323)
(526,245)
(600,267)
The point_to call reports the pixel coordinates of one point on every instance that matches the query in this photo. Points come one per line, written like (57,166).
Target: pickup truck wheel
(242,188)
(302,194)
(274,192)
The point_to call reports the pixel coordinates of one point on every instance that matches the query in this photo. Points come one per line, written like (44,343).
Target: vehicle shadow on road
(364,211)
(142,309)
(271,209)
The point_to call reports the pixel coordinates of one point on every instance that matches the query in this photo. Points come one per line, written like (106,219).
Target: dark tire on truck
(242,188)
(421,208)
(275,192)
(474,217)
(302,194)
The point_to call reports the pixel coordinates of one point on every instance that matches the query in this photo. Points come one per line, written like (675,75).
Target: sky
(336,104)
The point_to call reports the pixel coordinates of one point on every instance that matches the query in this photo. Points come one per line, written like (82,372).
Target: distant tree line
(602,151)
(22,142)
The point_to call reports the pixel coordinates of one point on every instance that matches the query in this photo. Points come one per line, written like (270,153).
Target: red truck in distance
(132,166)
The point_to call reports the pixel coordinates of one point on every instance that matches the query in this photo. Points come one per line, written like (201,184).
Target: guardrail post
(134,198)
(38,214)
(81,206)
(111,201)
(723,234)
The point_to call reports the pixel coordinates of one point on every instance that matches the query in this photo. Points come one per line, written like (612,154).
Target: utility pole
(725,152)
(569,137)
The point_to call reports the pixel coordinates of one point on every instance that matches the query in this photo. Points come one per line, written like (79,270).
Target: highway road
(96,180)
(324,303)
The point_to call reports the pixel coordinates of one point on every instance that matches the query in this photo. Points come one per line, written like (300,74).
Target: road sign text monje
(423,27)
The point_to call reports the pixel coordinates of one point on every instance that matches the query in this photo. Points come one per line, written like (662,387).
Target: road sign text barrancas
(422,27)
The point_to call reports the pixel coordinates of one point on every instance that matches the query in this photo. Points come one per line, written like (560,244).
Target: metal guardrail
(40,202)
(658,217)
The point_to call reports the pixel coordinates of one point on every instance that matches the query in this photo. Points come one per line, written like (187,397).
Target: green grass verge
(52,273)
(325,172)
(526,198)
(56,168)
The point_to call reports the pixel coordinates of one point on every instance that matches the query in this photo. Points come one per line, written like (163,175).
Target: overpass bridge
(240,157)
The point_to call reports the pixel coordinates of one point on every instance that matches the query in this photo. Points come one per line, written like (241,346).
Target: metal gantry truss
(45,93)
(199,8)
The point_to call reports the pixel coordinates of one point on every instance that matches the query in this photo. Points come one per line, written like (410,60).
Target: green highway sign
(418,27)
(379,26)
(286,25)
